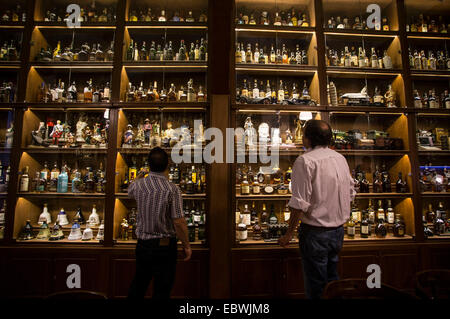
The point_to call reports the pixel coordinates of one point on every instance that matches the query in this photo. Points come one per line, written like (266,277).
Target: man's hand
(284,241)
(188,253)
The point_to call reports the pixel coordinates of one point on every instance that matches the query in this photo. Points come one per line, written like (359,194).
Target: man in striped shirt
(160,221)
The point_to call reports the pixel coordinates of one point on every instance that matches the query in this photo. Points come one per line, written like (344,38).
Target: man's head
(158,160)
(317,133)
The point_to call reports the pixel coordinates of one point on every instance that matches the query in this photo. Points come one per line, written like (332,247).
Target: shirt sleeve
(131,189)
(301,186)
(352,189)
(176,203)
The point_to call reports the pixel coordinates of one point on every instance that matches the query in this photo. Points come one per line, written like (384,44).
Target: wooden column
(220,46)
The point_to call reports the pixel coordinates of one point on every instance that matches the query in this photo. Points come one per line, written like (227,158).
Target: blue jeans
(319,249)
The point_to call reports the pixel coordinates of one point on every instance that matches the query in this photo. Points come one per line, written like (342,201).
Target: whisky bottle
(135,52)
(248,54)
(399,228)
(88,95)
(281,96)
(380,211)
(53,183)
(390,213)
(351,228)
(162,16)
(264,215)
(241,230)
(255,92)
(401,186)
(130,51)
(365,226)
(24,183)
(246,215)
(256,187)
(287,213)
(182,52)
(272,218)
(99,54)
(245,186)
(109,56)
(355,213)
(380,229)
(92,53)
(285,59)
(417,99)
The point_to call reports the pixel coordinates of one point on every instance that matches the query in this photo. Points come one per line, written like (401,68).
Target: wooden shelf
(434,153)
(288,196)
(84,25)
(431,112)
(352,72)
(62,195)
(61,150)
(360,33)
(4,150)
(62,241)
(435,194)
(164,106)
(275,108)
(286,69)
(376,110)
(9,64)
(146,150)
(432,73)
(66,106)
(372,152)
(134,242)
(185,196)
(166,66)
(428,35)
(91,66)
(12,25)
(256,30)
(167,25)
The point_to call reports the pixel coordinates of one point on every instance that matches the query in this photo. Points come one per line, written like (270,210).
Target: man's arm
(293,223)
(182,234)
(179,222)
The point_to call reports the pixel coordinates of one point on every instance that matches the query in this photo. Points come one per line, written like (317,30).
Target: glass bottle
(246,215)
(399,227)
(24,183)
(245,186)
(272,218)
(380,211)
(390,213)
(351,228)
(241,231)
(264,215)
(380,229)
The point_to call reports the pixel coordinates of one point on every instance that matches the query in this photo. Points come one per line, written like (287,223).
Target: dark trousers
(319,248)
(154,261)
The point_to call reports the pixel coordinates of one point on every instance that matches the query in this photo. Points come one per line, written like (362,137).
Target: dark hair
(158,160)
(318,132)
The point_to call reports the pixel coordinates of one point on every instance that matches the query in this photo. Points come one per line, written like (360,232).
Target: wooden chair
(77,295)
(356,288)
(433,284)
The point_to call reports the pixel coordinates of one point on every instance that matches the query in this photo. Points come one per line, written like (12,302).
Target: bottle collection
(388,99)
(190,179)
(432,100)
(434,178)
(356,23)
(86,53)
(197,51)
(58,93)
(352,58)
(128,226)
(148,133)
(56,232)
(7,92)
(16,14)
(381,181)
(436,222)
(9,52)
(380,222)
(427,24)
(85,133)
(5,173)
(369,140)
(436,139)
(185,93)
(419,60)
(262,55)
(195,216)
(292,17)
(64,180)
(249,182)
(260,224)
(3,212)
(262,92)
(90,13)
(147,15)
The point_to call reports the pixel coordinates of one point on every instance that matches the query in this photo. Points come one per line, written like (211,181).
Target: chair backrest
(356,288)
(77,294)
(433,284)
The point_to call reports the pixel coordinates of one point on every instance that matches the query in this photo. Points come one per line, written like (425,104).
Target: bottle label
(24,183)
(365,229)
(242,234)
(351,231)
(246,219)
(256,189)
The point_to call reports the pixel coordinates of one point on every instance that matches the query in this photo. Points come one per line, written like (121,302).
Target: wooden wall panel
(293,275)
(355,266)
(89,271)
(28,276)
(399,268)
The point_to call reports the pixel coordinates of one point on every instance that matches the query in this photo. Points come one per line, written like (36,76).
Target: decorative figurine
(62,218)
(169,139)
(199,137)
(87,233)
(27,232)
(361,98)
(390,97)
(68,137)
(147,131)
(9,136)
(57,233)
(57,133)
(81,125)
(101,229)
(128,137)
(249,132)
(288,137)
(75,232)
(185,134)
(124,229)
(94,218)
(89,141)
(139,140)
(97,134)
(303,117)
(276,139)
(264,134)
(45,216)
(44,231)
(38,136)
(155,139)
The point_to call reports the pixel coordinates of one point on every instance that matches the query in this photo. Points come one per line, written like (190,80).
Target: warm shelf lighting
(429,37)
(166,27)
(274,30)
(361,34)
(102,27)
(73,66)
(276,70)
